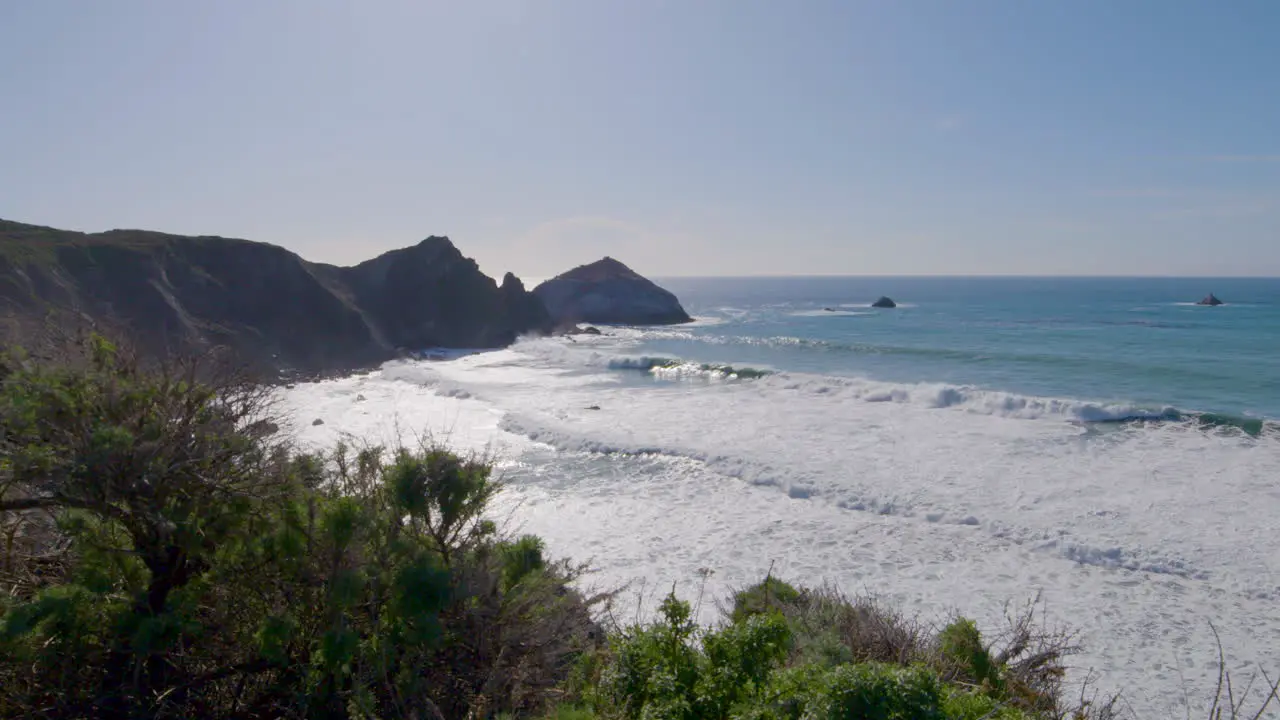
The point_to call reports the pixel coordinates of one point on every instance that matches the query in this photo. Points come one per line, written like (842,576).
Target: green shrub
(968,705)
(874,691)
(655,669)
(961,643)
(520,558)
(832,629)
(739,659)
(666,670)
(571,712)
(172,561)
(787,695)
(770,594)
(865,691)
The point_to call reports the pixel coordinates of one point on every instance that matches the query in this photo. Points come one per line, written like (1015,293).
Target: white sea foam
(706,321)
(939,497)
(930,395)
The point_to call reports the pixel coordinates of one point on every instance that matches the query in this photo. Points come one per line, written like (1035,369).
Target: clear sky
(684,137)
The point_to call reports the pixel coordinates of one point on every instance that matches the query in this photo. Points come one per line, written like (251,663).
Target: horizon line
(978,276)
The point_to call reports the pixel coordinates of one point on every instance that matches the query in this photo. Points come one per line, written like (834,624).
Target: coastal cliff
(174,293)
(608,292)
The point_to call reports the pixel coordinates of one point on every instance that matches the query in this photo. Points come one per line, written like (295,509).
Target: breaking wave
(934,395)
(674,368)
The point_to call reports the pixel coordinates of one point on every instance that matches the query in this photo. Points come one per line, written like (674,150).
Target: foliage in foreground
(787,653)
(161,557)
(792,654)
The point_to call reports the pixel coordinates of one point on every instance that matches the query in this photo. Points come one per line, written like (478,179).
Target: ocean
(1103,447)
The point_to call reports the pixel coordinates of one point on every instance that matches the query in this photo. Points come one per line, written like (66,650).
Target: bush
(877,691)
(768,595)
(968,705)
(655,669)
(851,692)
(672,669)
(167,559)
(960,643)
(665,670)
(832,629)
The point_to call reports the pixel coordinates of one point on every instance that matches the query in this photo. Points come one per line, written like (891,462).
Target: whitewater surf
(952,457)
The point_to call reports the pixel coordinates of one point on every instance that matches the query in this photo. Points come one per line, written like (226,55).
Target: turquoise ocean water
(1136,342)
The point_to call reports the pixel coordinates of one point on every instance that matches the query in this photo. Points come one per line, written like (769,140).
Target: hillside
(608,292)
(272,308)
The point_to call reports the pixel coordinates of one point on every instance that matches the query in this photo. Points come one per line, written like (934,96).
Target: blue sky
(685,137)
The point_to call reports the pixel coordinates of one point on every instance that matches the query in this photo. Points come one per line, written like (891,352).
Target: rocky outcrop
(609,293)
(523,308)
(429,295)
(1210,300)
(274,310)
(573,329)
(884,302)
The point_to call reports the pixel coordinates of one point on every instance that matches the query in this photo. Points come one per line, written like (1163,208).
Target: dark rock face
(274,310)
(884,302)
(1210,300)
(610,293)
(429,295)
(523,308)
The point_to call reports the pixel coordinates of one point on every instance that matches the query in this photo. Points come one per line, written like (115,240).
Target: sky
(684,137)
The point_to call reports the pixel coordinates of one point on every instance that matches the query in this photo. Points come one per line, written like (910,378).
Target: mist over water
(1103,443)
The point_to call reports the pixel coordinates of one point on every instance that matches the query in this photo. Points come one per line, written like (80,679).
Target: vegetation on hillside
(787,653)
(163,555)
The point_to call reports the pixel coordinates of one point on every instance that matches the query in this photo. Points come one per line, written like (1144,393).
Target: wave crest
(938,396)
(671,368)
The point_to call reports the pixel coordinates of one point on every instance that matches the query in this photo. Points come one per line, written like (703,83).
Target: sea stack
(607,292)
(884,302)
(1211,300)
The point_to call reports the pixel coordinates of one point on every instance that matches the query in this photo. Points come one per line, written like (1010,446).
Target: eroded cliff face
(429,295)
(523,307)
(608,292)
(173,293)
